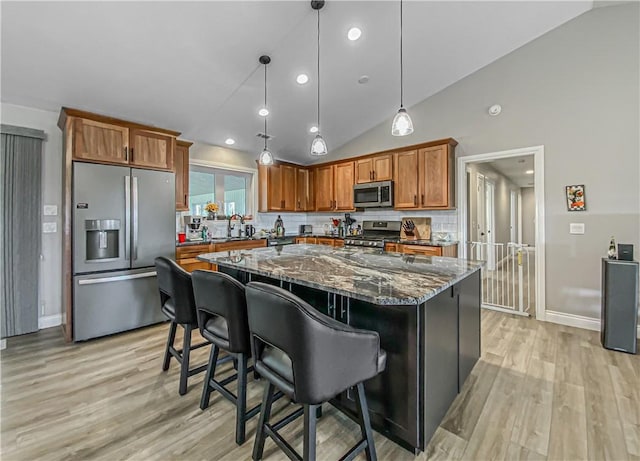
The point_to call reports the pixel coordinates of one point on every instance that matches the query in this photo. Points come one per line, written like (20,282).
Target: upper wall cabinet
(99,139)
(334,187)
(378,168)
(283,187)
(181,165)
(425,178)
(100,142)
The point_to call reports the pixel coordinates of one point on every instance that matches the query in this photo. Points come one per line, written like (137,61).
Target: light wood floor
(540,391)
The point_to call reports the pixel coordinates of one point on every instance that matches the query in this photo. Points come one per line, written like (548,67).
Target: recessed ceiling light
(354,34)
(313,129)
(230,141)
(529,172)
(364,79)
(263,112)
(302,79)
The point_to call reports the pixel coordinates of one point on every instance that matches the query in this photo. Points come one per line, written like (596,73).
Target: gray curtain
(20,197)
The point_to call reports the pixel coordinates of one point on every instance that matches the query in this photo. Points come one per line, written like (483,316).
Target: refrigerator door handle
(127,217)
(134,196)
(117,278)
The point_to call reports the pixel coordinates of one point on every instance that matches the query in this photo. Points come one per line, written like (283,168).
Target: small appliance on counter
(193,228)
(249,230)
(305,229)
(279,227)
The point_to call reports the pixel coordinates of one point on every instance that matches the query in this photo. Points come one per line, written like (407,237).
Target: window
(230,189)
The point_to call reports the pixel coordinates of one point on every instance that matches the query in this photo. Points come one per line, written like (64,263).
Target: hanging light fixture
(402,124)
(318,146)
(266,157)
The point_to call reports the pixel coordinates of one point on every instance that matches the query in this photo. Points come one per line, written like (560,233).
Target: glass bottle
(612,249)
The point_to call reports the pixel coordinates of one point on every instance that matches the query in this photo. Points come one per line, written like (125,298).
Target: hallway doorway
(500,202)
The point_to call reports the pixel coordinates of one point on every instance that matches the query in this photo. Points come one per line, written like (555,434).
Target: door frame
(461,181)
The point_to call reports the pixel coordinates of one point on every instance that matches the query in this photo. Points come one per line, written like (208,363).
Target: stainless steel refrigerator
(123,219)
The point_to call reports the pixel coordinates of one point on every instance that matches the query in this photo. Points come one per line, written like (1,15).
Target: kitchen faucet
(229,226)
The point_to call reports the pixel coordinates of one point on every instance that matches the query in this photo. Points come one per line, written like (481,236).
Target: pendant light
(402,124)
(318,146)
(266,157)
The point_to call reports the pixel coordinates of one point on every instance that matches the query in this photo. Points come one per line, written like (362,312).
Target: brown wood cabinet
(303,190)
(424,178)
(181,164)
(186,256)
(325,241)
(391,247)
(100,139)
(100,142)
(423,250)
(406,179)
(283,187)
(151,150)
(308,240)
(334,186)
(378,168)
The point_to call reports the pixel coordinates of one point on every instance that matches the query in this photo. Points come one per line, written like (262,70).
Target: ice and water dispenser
(103,239)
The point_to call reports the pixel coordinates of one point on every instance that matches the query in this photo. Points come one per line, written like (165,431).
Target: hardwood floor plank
(567,437)
(531,428)
(445,446)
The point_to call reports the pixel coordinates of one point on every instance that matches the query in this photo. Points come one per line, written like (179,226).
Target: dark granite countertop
(369,275)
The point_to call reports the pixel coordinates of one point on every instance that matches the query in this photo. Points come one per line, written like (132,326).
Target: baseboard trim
(578,321)
(3,344)
(49,321)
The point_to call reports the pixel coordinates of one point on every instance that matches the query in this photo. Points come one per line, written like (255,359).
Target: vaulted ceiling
(193,66)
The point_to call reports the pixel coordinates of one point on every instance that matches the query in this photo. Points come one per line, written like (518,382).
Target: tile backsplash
(441,221)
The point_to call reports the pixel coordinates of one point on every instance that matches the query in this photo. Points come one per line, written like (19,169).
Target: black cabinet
(619,317)
(469,325)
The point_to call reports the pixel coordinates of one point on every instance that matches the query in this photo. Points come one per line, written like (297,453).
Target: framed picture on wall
(576,200)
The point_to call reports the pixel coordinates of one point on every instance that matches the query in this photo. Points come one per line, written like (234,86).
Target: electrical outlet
(51,210)
(49,227)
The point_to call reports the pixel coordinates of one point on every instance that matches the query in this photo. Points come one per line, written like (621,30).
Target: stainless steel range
(375,234)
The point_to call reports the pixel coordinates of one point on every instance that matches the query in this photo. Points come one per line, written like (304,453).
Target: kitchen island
(426,310)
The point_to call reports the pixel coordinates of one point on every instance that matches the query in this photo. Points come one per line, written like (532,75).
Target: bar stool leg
(309,448)
(170,339)
(241,401)
(211,372)
(184,368)
(365,422)
(265,413)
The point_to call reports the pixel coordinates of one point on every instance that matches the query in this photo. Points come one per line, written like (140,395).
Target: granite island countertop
(368,275)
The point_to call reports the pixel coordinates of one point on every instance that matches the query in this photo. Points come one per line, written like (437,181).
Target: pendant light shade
(318,145)
(266,157)
(402,124)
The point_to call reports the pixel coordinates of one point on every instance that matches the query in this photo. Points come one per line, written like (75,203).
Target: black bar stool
(222,317)
(311,358)
(176,299)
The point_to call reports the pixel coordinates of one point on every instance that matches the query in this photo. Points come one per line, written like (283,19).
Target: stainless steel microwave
(373,195)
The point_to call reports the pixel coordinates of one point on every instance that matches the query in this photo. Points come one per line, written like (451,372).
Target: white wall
(574,90)
(528,216)
(51,264)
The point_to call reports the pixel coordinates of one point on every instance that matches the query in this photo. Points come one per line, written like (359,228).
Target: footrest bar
(355,451)
(282,443)
(195,371)
(287,419)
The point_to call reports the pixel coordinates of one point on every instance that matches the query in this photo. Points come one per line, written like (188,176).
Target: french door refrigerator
(123,218)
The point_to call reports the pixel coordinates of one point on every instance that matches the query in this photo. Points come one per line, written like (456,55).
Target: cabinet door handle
(415,199)
(422,199)
(186,202)
(126,154)
(131,152)
(371,175)
(374,174)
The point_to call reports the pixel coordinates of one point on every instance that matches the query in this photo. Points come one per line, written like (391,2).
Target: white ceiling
(515,169)
(193,66)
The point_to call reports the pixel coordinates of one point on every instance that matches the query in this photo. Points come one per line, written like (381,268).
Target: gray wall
(528,215)
(574,90)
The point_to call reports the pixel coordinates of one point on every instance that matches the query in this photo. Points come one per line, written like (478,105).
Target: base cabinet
(186,256)
(450,251)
